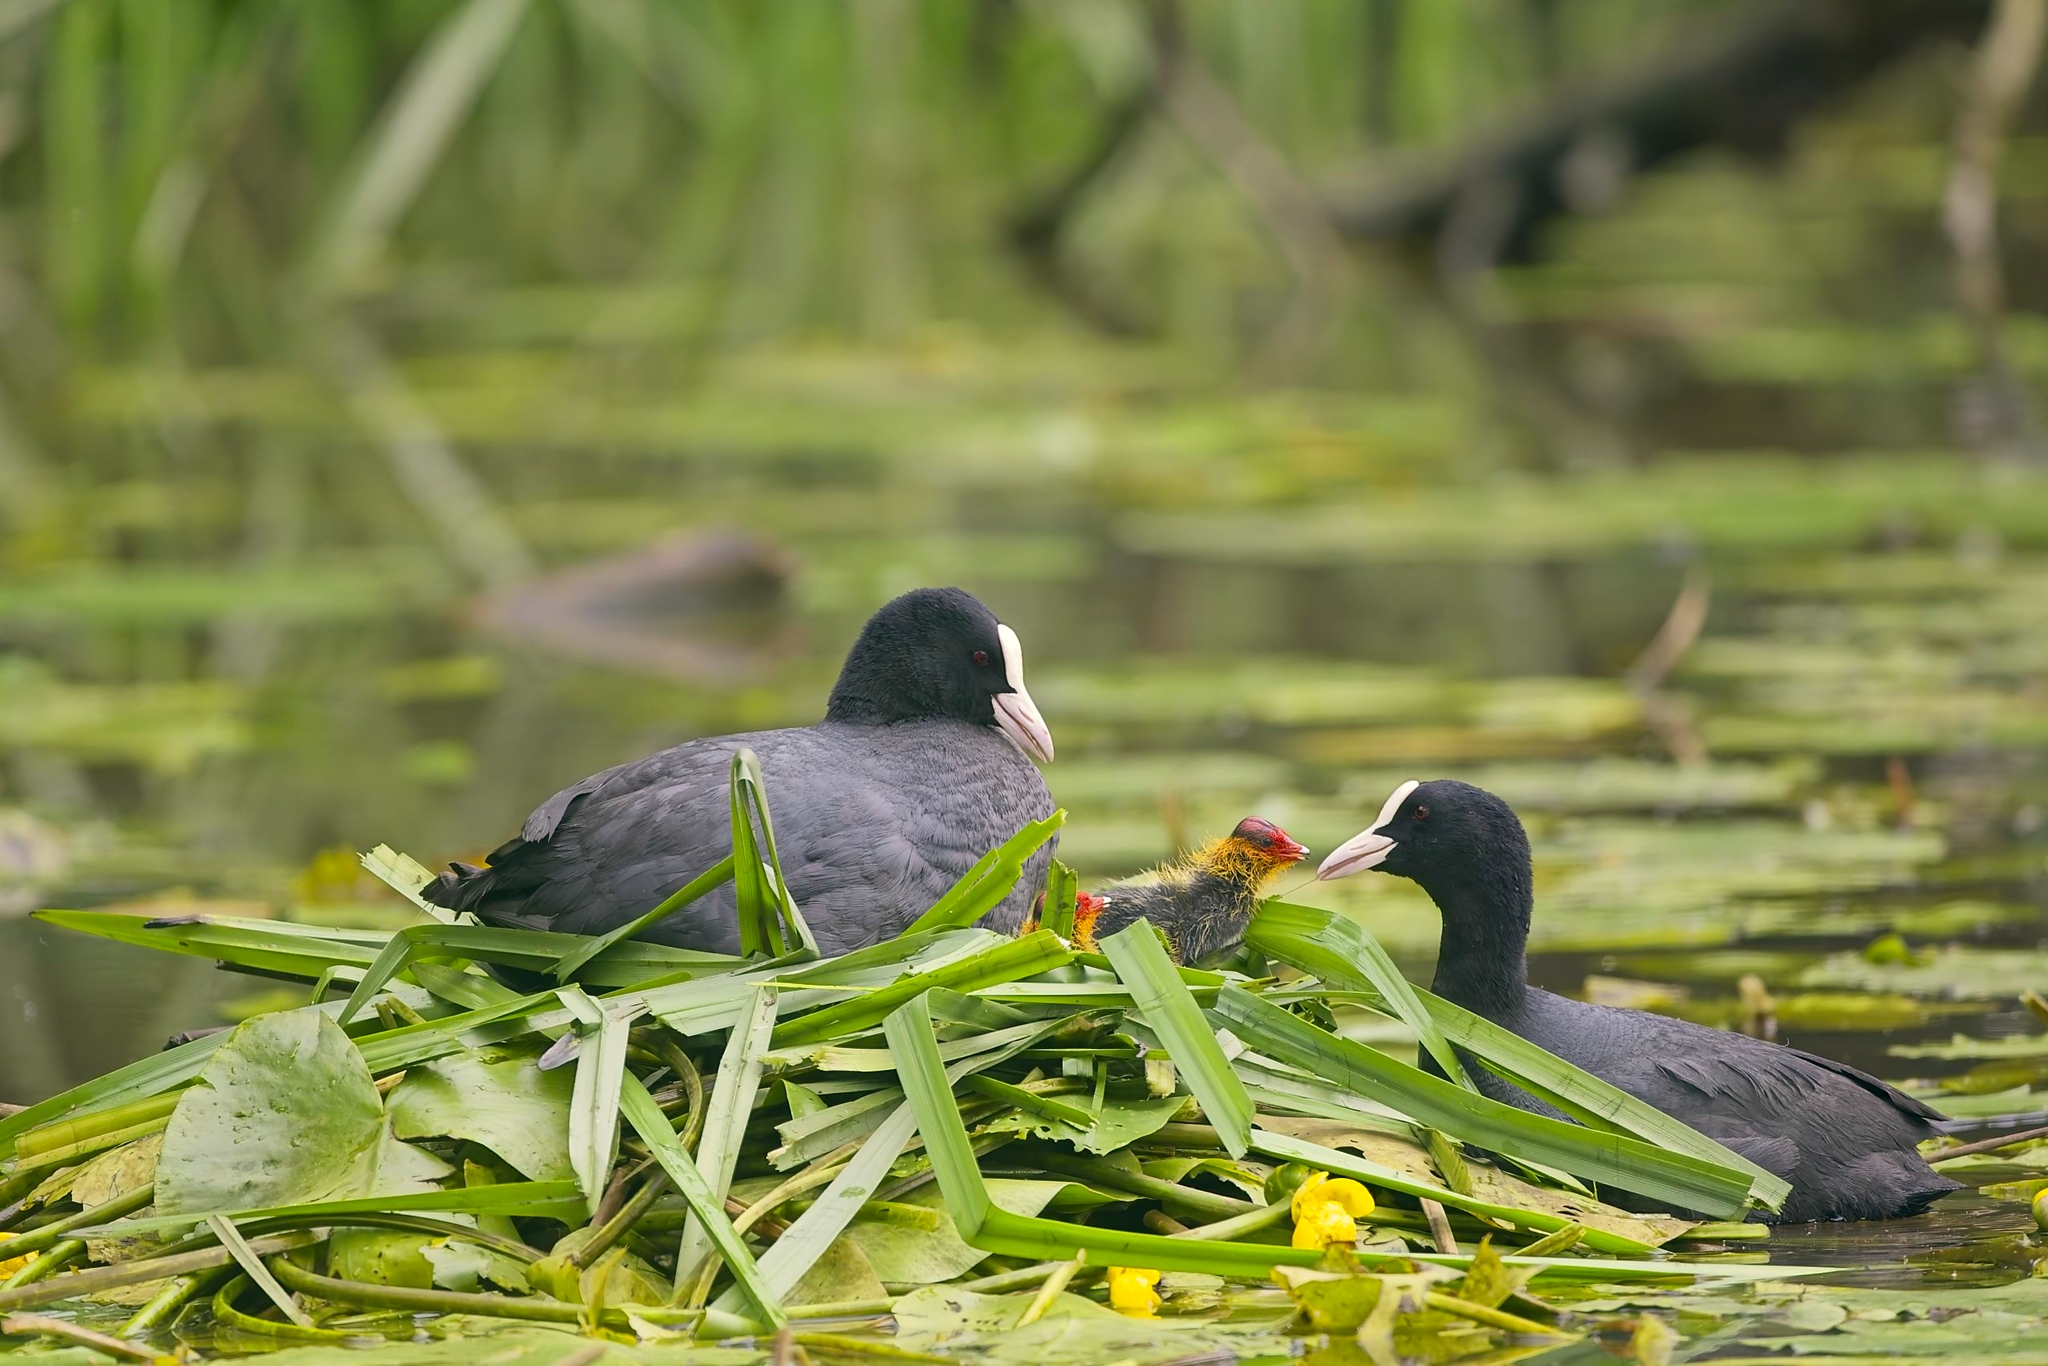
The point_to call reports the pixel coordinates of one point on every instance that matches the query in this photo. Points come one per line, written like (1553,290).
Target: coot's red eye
(1422,813)
(981,657)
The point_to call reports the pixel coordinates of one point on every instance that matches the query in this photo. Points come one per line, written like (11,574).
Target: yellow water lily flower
(2041,1209)
(1131,1292)
(14,1264)
(1327,1209)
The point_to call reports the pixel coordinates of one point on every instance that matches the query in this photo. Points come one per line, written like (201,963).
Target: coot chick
(1202,900)
(921,765)
(1844,1140)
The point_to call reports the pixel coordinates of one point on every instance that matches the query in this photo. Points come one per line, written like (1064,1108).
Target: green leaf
(812,1136)
(1488,1281)
(496,1097)
(380,1256)
(768,916)
(465,1266)
(284,1113)
(726,1114)
(1005,962)
(594,1100)
(1164,1002)
(982,1224)
(390,1049)
(949,1324)
(908,1255)
(805,1240)
(982,888)
(461,987)
(558,1200)
(708,1209)
(632,963)
(1047,1107)
(263,945)
(398,950)
(405,875)
(717,875)
(1061,890)
(1688,1182)
(1339,950)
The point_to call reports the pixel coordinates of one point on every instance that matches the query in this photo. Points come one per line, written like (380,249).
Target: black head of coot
(1434,833)
(939,654)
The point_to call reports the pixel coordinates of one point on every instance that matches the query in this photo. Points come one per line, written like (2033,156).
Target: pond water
(1281,601)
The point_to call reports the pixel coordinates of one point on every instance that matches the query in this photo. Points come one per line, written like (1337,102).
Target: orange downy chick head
(1087,910)
(1253,852)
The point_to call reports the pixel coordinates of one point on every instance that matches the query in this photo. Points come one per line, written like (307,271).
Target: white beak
(1368,848)
(1016,714)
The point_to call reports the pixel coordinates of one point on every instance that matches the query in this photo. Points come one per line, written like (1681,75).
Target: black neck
(879,692)
(855,702)
(1482,961)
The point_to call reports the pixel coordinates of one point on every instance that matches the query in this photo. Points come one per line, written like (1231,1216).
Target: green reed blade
(984,886)
(1165,1004)
(1688,1182)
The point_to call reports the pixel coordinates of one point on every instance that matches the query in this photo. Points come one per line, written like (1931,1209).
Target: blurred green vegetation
(333,333)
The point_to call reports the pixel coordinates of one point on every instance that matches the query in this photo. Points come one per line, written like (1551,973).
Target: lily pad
(285,1112)
(841,1274)
(1956,971)
(1120,1123)
(1073,1331)
(379,1256)
(496,1097)
(903,1254)
(469,1268)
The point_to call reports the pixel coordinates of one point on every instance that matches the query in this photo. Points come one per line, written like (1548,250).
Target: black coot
(921,765)
(1842,1138)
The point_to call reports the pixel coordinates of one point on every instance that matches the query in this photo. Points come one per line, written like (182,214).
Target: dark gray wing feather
(872,825)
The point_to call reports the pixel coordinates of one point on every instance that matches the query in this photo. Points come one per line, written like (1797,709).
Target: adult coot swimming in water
(921,765)
(1842,1138)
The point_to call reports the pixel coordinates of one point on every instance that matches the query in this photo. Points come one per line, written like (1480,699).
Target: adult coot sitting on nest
(1842,1138)
(921,765)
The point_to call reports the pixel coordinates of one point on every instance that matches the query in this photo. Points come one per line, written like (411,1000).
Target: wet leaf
(116,1172)
(467,1267)
(915,1256)
(1120,1123)
(1338,1306)
(1652,1342)
(378,1256)
(1488,1281)
(496,1097)
(627,1279)
(284,1113)
(1073,1331)
(843,1273)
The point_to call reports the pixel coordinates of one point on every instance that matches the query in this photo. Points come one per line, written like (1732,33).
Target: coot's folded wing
(1770,1078)
(580,858)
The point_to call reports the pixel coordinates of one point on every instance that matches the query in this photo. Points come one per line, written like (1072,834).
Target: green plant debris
(465,1152)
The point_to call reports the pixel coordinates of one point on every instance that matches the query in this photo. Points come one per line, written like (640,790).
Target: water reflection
(72,1007)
